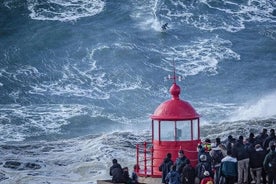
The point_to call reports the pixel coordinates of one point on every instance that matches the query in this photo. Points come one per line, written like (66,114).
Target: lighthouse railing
(148,159)
(144,159)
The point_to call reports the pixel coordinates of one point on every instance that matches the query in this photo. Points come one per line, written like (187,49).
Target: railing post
(145,157)
(151,160)
(137,158)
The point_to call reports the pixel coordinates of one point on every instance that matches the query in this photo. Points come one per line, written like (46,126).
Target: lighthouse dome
(175,108)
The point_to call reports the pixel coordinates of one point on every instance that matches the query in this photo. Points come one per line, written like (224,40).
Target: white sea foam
(239,13)
(88,79)
(26,72)
(22,122)
(147,13)
(44,119)
(82,79)
(258,108)
(217,15)
(7,3)
(84,160)
(80,161)
(202,55)
(214,113)
(64,10)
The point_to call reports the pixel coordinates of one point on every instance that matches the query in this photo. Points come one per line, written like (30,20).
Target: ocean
(79,79)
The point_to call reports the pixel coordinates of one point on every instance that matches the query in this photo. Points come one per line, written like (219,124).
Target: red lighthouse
(175,126)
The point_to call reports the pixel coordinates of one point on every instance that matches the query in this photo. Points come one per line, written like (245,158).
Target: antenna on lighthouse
(174,77)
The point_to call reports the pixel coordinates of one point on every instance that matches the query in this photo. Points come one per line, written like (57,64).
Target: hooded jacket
(229,166)
(165,167)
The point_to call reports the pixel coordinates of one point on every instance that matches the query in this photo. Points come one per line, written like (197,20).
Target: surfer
(165,26)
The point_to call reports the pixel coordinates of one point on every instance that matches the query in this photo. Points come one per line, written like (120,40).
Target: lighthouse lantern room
(175,126)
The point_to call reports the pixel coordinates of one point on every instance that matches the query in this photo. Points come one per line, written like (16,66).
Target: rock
(3,177)
(12,164)
(32,166)
(21,166)
(274,12)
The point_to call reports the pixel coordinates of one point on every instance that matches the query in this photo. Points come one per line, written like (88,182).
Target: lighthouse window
(183,130)
(195,130)
(156,130)
(176,130)
(167,131)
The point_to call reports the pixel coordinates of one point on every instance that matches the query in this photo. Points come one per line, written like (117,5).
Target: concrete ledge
(142,180)
(105,182)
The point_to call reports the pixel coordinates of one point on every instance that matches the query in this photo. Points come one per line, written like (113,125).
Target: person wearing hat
(181,161)
(207,178)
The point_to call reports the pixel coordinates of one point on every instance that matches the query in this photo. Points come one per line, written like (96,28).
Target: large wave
(209,15)
(256,109)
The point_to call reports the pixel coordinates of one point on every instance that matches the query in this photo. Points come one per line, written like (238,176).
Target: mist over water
(80,79)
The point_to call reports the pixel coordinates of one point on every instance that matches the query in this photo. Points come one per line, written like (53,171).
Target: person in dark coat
(252,139)
(260,140)
(188,174)
(181,161)
(261,137)
(241,152)
(269,167)
(217,153)
(166,166)
(270,138)
(203,150)
(256,159)
(116,172)
(230,142)
(173,176)
(202,166)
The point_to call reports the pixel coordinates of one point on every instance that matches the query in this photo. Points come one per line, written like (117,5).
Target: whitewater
(80,79)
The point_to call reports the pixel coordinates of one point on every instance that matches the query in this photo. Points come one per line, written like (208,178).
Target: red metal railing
(145,159)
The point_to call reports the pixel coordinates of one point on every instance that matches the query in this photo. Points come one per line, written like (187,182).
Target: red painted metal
(161,150)
(177,113)
(152,131)
(137,159)
(175,109)
(151,151)
(145,156)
